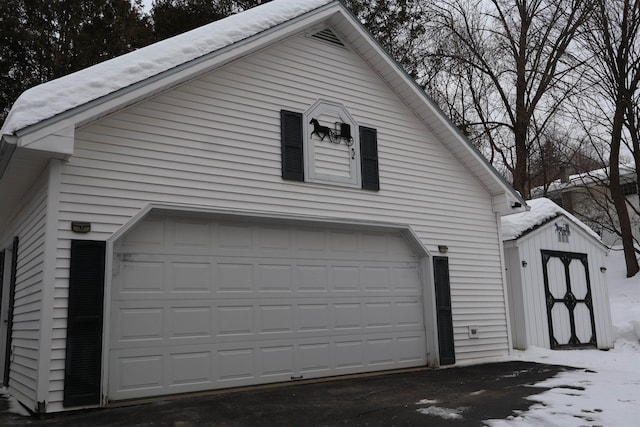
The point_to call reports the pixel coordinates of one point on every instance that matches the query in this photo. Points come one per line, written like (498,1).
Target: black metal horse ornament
(342,131)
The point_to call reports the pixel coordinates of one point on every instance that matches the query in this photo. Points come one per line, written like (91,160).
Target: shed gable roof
(91,93)
(542,211)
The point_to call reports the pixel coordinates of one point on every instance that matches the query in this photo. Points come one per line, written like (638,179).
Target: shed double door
(200,304)
(569,299)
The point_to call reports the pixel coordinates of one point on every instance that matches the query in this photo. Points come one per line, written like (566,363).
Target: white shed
(555,275)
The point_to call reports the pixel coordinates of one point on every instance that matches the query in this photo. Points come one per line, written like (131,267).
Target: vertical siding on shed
(516,301)
(215,142)
(535,311)
(29,225)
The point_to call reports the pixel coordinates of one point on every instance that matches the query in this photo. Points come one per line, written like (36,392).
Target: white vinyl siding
(215,142)
(533,317)
(29,225)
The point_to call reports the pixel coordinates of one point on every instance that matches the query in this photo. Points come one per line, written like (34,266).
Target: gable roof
(84,96)
(541,212)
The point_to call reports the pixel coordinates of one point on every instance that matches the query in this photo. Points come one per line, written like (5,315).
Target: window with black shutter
(369,158)
(84,323)
(291,138)
(443,310)
(333,156)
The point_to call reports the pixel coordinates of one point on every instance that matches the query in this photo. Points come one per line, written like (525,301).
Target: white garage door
(198,304)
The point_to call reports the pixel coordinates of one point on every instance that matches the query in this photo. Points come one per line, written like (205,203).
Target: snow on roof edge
(542,211)
(65,93)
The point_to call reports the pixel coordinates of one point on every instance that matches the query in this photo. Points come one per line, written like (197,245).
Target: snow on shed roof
(542,210)
(57,96)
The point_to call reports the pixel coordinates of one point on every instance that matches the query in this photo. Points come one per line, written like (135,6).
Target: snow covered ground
(606,391)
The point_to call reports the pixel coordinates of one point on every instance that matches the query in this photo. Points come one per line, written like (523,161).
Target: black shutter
(2,255)
(84,324)
(443,310)
(2,252)
(12,299)
(291,137)
(369,158)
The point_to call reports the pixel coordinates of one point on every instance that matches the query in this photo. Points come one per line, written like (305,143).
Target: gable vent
(328,36)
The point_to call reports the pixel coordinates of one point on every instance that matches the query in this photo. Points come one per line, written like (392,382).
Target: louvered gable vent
(328,36)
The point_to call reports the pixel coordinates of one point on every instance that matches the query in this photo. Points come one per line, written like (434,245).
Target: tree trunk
(616,191)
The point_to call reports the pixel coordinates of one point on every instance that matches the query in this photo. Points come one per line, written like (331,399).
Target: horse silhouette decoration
(335,136)
(321,131)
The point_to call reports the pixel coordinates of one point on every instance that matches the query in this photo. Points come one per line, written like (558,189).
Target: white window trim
(319,108)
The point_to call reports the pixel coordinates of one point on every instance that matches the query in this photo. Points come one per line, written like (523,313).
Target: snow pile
(542,210)
(14,406)
(54,97)
(437,411)
(606,391)
(624,296)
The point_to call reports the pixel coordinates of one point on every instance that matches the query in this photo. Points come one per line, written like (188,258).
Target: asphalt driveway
(463,396)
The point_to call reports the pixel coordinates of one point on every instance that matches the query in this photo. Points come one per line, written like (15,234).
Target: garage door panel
(380,351)
(234,236)
(220,304)
(274,278)
(275,319)
(190,234)
(187,368)
(234,277)
(410,349)
(277,361)
(377,315)
(190,277)
(193,368)
(311,278)
(313,317)
(311,243)
(139,277)
(189,322)
(144,323)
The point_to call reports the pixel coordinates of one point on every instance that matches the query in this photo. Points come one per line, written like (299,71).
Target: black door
(569,304)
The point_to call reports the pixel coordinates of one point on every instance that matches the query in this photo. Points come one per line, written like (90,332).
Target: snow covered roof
(595,176)
(542,210)
(57,96)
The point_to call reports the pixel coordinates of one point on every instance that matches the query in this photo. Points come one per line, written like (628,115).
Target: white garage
(205,303)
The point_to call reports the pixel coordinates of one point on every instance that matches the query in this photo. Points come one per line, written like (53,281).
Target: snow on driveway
(606,391)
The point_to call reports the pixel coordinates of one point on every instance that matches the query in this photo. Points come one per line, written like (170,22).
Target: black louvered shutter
(84,323)
(369,158)
(12,298)
(443,310)
(291,136)
(2,255)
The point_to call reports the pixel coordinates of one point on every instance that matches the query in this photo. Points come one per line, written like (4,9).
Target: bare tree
(520,70)
(614,40)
